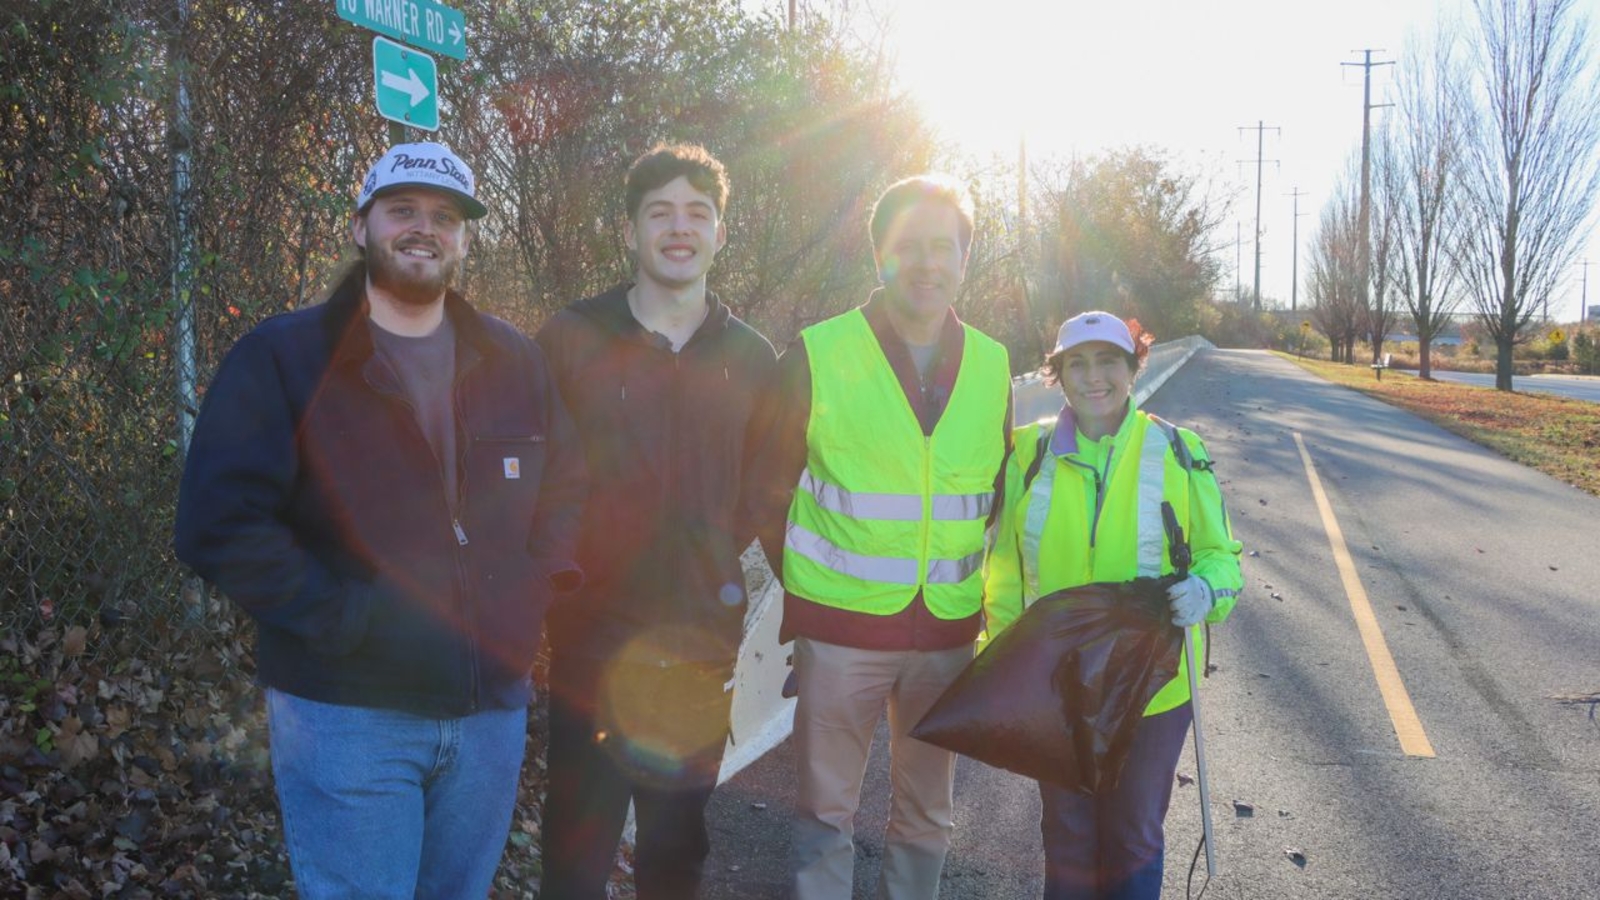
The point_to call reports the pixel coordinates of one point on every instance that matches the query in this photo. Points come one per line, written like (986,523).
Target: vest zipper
(927,533)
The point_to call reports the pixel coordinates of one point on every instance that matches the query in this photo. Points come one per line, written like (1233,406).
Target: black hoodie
(665,437)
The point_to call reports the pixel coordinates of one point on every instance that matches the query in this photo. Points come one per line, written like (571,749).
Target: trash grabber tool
(1200,749)
(1178,549)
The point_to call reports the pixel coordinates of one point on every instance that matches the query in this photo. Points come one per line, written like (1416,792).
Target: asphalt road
(1578,387)
(1481,577)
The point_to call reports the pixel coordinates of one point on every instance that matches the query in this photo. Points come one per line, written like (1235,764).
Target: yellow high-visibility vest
(1074,525)
(881,510)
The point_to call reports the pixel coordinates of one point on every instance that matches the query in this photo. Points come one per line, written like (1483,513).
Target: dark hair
(908,192)
(665,162)
(1142,340)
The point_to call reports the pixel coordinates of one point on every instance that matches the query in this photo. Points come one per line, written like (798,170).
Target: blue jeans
(384,804)
(1110,846)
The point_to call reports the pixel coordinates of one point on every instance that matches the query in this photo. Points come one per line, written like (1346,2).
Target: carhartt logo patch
(513,467)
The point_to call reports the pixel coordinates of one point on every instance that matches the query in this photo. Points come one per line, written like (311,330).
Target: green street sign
(420,23)
(405,83)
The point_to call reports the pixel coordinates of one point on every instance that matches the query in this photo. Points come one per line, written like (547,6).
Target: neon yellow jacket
(1093,515)
(882,511)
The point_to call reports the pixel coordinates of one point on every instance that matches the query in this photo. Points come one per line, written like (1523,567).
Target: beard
(391,275)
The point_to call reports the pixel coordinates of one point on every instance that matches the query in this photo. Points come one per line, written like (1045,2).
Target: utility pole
(1294,284)
(1261,130)
(1583,302)
(1364,224)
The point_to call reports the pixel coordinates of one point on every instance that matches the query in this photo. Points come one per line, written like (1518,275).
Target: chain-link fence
(88,481)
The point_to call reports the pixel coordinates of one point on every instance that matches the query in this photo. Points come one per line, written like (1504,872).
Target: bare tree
(1335,283)
(1530,172)
(1422,177)
(1379,312)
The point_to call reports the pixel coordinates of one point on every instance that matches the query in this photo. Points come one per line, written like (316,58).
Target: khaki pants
(843,692)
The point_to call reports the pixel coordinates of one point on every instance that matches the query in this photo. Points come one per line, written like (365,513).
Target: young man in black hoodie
(662,380)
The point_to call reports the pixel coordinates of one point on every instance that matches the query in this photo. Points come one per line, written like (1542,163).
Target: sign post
(420,23)
(405,83)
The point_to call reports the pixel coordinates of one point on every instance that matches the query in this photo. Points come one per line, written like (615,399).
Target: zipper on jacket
(1100,480)
(456,514)
(463,585)
(1099,492)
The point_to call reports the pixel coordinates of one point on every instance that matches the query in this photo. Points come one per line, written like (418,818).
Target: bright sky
(1192,77)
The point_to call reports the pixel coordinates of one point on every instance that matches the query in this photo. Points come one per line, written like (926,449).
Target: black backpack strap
(1180,449)
(1032,471)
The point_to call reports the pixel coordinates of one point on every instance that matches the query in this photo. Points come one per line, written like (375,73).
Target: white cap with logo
(422,164)
(1093,326)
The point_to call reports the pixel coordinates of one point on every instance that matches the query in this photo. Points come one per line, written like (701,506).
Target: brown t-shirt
(426,367)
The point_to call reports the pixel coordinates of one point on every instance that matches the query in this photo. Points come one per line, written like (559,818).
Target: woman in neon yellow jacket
(1082,505)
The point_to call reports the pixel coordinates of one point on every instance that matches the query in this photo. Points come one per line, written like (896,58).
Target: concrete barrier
(762,718)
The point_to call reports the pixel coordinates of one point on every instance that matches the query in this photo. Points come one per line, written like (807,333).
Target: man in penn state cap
(389,484)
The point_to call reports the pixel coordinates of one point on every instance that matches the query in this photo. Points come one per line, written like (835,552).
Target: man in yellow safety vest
(892,428)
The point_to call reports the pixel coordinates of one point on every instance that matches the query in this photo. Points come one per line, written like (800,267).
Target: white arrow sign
(455,34)
(410,85)
(405,83)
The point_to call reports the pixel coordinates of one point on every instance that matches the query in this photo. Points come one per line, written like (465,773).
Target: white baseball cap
(422,164)
(1093,326)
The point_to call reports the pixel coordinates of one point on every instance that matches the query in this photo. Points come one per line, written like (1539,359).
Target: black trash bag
(1057,696)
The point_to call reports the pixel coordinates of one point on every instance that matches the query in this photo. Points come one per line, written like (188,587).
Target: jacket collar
(610,311)
(348,311)
(1065,439)
(877,313)
(927,401)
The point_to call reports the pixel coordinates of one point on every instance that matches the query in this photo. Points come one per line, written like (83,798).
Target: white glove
(1191,600)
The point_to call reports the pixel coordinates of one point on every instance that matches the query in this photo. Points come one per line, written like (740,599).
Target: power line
(1583,301)
(1260,129)
(1294,279)
(1365,223)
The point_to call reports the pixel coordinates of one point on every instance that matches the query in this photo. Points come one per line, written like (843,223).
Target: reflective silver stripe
(887,569)
(954,571)
(894,507)
(1152,490)
(859,504)
(962,507)
(829,555)
(1033,526)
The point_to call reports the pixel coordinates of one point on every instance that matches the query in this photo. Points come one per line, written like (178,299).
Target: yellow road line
(1413,741)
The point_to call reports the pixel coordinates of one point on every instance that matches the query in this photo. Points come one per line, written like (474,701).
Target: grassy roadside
(1557,436)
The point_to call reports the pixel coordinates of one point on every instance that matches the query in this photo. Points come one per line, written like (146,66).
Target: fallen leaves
(76,639)
(124,779)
